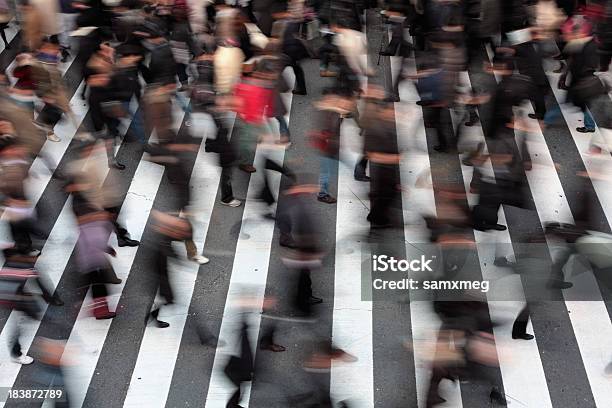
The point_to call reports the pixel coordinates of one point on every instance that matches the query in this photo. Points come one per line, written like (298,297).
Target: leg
(300,79)
(519,328)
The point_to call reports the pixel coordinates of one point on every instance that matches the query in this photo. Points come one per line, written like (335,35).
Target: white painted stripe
(249,276)
(88,335)
(352,317)
(154,368)
(418,200)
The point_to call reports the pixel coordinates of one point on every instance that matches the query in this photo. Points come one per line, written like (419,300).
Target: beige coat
(228,68)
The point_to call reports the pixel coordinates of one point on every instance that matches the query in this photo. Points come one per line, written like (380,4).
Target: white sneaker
(34,252)
(52,137)
(233,203)
(23,359)
(188,123)
(200,259)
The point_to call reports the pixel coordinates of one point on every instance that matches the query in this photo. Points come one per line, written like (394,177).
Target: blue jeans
(137,121)
(552,115)
(589,123)
(326,165)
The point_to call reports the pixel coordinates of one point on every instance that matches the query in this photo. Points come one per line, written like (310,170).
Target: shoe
(247,168)
(101,311)
(116,165)
(52,137)
(559,284)
(362,177)
(440,148)
(23,359)
(497,396)
(114,280)
(534,116)
(127,242)
(313,300)
(159,323)
(584,129)
(34,252)
(486,227)
(275,348)
(299,92)
(232,203)
(199,259)
(327,199)
(522,336)
(387,53)
(188,123)
(502,262)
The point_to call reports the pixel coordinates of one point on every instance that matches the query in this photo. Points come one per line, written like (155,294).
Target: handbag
(586,89)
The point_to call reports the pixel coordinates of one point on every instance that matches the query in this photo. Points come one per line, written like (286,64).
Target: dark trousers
(383,181)
(300,78)
(304,290)
(227,194)
(520,323)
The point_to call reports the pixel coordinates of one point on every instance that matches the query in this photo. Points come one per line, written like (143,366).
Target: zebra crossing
(120,362)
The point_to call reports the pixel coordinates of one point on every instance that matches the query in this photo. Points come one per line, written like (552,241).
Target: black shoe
(361,177)
(497,396)
(159,323)
(502,261)
(584,129)
(300,92)
(440,148)
(313,300)
(522,336)
(559,284)
(116,165)
(534,116)
(125,241)
(486,227)
(275,348)
(327,199)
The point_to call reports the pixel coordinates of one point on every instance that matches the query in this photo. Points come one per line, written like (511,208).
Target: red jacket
(255,100)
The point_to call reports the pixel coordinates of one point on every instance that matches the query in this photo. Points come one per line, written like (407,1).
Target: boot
(101,311)
(123,239)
